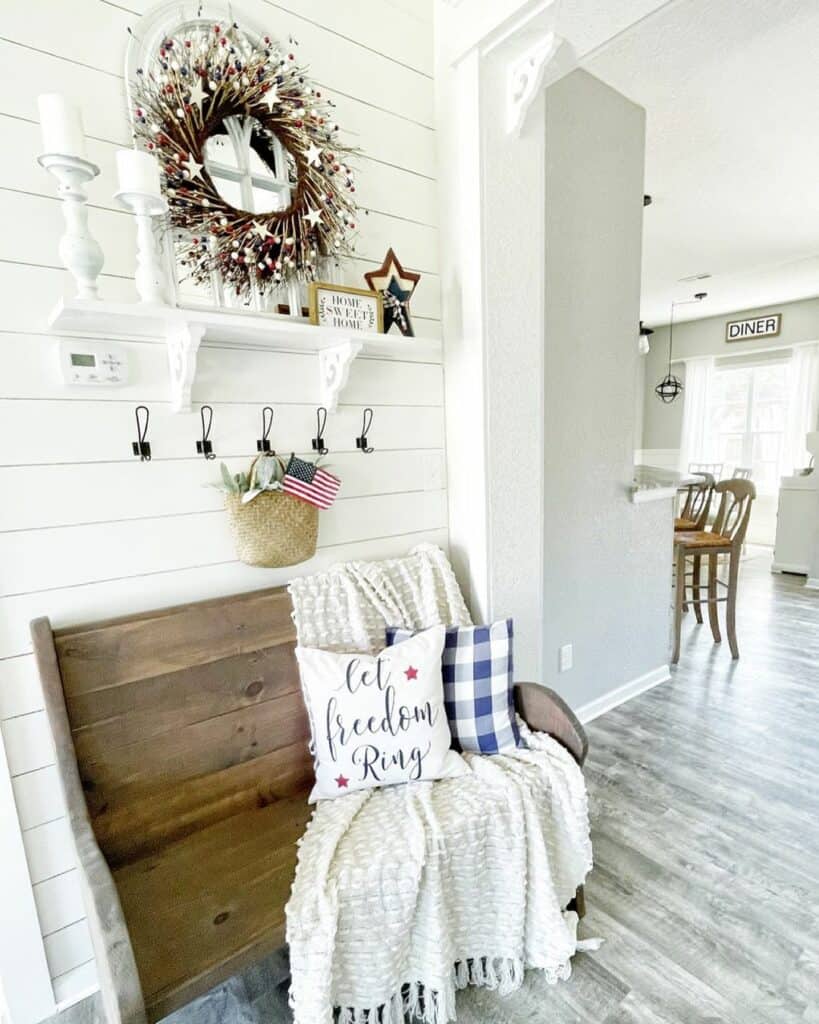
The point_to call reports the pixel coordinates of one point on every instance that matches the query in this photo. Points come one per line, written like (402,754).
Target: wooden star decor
(397,286)
(396,309)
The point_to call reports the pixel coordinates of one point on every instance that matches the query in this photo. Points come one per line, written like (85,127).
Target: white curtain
(803,405)
(695,444)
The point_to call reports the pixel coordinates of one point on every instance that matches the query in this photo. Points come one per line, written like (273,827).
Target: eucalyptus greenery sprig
(265,476)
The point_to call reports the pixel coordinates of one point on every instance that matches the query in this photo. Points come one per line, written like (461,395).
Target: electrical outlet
(565,658)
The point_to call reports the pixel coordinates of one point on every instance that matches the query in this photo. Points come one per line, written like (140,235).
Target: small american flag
(308,482)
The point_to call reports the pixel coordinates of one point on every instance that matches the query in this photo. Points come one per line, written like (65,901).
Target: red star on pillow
(341,782)
(411,673)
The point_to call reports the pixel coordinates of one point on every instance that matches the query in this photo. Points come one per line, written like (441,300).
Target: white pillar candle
(138,172)
(61,124)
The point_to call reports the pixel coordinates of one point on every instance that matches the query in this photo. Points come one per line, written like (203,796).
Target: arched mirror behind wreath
(259,188)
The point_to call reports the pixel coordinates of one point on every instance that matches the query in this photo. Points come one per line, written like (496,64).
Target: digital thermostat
(93,363)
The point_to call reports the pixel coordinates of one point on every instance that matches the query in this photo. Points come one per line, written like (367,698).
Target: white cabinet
(796,523)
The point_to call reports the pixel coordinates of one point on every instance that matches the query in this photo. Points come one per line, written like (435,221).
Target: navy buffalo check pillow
(477,671)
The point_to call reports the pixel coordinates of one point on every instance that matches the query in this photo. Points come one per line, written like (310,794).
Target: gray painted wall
(606,561)
(662,424)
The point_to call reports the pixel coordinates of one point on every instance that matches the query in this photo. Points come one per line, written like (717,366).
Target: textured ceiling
(731,91)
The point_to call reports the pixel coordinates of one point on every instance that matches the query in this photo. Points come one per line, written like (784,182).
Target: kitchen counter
(654,483)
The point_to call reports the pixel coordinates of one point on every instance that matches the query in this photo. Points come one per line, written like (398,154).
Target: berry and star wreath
(205,79)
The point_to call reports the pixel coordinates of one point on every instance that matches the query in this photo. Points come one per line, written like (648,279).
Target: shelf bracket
(524,80)
(334,369)
(183,340)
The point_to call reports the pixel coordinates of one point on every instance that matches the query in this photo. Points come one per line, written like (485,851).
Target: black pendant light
(671,387)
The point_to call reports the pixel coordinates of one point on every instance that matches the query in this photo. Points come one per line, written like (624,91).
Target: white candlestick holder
(150,277)
(79,251)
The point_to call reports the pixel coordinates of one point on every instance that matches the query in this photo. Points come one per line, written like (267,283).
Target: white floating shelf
(185,330)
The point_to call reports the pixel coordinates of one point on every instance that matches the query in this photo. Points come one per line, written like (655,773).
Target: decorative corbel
(334,369)
(183,339)
(525,77)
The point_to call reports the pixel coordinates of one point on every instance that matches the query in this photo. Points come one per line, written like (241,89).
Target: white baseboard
(613,698)
(793,567)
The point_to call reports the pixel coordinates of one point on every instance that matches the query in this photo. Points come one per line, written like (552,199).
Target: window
(241,176)
(747,420)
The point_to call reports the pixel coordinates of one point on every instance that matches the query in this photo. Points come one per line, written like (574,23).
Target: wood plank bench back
(190,736)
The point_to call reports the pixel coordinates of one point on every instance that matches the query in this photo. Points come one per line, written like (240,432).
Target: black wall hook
(321,423)
(141,446)
(367,422)
(263,443)
(204,447)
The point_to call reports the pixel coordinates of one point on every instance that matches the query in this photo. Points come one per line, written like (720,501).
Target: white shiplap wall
(85,530)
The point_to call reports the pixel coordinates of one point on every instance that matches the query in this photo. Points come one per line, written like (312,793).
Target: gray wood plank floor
(704,796)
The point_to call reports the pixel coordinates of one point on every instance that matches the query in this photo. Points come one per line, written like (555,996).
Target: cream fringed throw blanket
(404,894)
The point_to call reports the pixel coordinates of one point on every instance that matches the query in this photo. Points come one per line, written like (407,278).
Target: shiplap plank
(100,96)
(94,492)
(38,795)
(379,133)
(28,741)
(56,28)
(19,684)
(395,191)
(68,948)
(26,991)
(223,374)
(86,603)
(32,433)
(334,61)
(30,293)
(65,556)
(34,225)
(389,190)
(416,244)
(400,36)
(77,983)
(59,901)
(49,850)
(21,171)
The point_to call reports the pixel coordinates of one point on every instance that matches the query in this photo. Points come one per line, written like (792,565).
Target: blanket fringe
(502,973)
(414,1003)
(417,1003)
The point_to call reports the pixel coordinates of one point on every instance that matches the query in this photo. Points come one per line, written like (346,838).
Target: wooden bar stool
(694,516)
(694,512)
(724,538)
(714,468)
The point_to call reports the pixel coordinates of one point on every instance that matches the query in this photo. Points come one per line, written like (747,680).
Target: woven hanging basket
(273,530)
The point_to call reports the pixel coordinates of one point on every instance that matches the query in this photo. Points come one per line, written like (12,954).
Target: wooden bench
(181,741)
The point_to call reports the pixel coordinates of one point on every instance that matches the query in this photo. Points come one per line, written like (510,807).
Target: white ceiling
(731,91)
